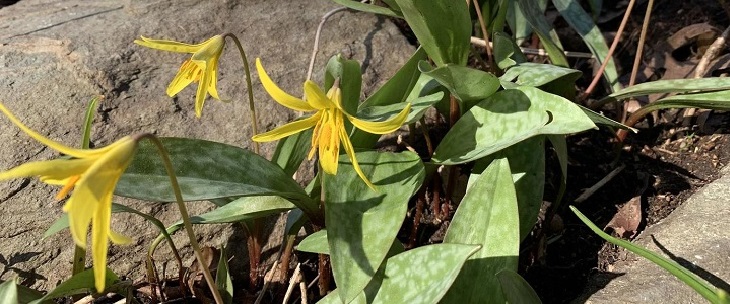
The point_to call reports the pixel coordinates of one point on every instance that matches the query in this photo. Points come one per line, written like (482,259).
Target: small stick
(531,51)
(483,26)
(592,190)
(303,290)
(294,279)
(267,280)
(702,66)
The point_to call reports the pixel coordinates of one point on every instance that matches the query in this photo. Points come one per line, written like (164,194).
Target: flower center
(68,187)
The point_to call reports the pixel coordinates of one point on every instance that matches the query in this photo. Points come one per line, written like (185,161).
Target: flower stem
(184,213)
(251,105)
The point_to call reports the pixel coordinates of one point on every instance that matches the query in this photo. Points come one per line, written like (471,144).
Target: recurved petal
(381,127)
(100,242)
(202,93)
(210,49)
(187,73)
(288,129)
(351,154)
(78,153)
(50,171)
(167,45)
(278,94)
(329,143)
(316,97)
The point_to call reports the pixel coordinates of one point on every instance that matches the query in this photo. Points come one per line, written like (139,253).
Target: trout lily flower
(328,122)
(201,68)
(92,174)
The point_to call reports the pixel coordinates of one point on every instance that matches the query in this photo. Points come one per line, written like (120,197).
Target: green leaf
(506,118)
(671,86)
(515,289)
(315,243)
(78,284)
(291,151)
(421,275)
(719,100)
(245,208)
(603,120)
(418,108)
(506,52)
(536,74)
(579,20)
(350,76)
(369,8)
(467,84)
(534,16)
(88,120)
(207,170)
(517,21)
(223,278)
(527,164)
(9,292)
(443,27)
(361,222)
(706,290)
(487,216)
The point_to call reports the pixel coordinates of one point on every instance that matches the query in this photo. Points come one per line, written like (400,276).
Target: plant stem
(184,213)
(251,105)
(324,269)
(485,34)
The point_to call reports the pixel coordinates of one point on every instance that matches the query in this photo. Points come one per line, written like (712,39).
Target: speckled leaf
(466,84)
(603,120)
(487,216)
(418,108)
(534,15)
(579,20)
(370,8)
(535,74)
(78,284)
(315,243)
(506,52)
(443,27)
(207,170)
(515,289)
(527,164)
(422,275)
(506,118)
(672,86)
(361,222)
(242,209)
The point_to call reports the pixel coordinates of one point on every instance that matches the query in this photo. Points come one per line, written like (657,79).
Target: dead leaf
(627,219)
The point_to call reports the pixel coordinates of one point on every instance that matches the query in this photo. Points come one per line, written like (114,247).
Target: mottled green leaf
(527,164)
(534,16)
(245,208)
(78,284)
(315,243)
(418,108)
(443,27)
(506,118)
(361,222)
(535,74)
(517,22)
(370,8)
(603,120)
(207,170)
(579,20)
(291,151)
(467,84)
(515,289)
(671,86)
(422,275)
(506,52)
(487,216)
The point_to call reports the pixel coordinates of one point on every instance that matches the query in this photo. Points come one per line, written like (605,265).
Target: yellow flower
(92,174)
(328,122)
(201,68)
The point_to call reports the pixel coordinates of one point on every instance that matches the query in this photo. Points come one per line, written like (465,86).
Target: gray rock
(55,55)
(695,235)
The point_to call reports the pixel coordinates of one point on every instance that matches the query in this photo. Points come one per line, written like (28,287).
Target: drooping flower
(91,176)
(328,122)
(201,68)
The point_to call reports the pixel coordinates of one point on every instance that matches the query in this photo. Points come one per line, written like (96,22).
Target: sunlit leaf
(418,108)
(534,15)
(466,84)
(719,100)
(315,243)
(487,216)
(9,292)
(361,222)
(506,52)
(78,284)
(672,86)
(535,74)
(291,151)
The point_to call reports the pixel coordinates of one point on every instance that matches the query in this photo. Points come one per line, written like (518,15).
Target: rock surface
(55,55)
(695,235)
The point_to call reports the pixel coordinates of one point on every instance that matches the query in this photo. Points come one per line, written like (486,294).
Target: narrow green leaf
(78,284)
(706,290)
(88,120)
(418,108)
(422,275)
(443,27)
(536,74)
(561,151)
(467,84)
(223,278)
(506,52)
(671,86)
(9,292)
(315,243)
(350,76)
(24,294)
(361,222)
(295,219)
(207,170)
(517,21)
(603,120)
(527,164)
(506,118)
(369,8)
(515,289)
(245,208)
(534,16)
(291,151)
(719,100)
(579,20)
(487,216)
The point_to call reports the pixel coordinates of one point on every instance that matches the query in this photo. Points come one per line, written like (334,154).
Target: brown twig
(533,51)
(703,65)
(590,191)
(485,34)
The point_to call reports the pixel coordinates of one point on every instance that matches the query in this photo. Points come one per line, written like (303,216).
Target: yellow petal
(329,143)
(202,92)
(381,127)
(120,239)
(316,97)
(78,153)
(54,171)
(100,244)
(288,129)
(334,95)
(278,94)
(351,153)
(210,49)
(188,73)
(172,46)
(213,70)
